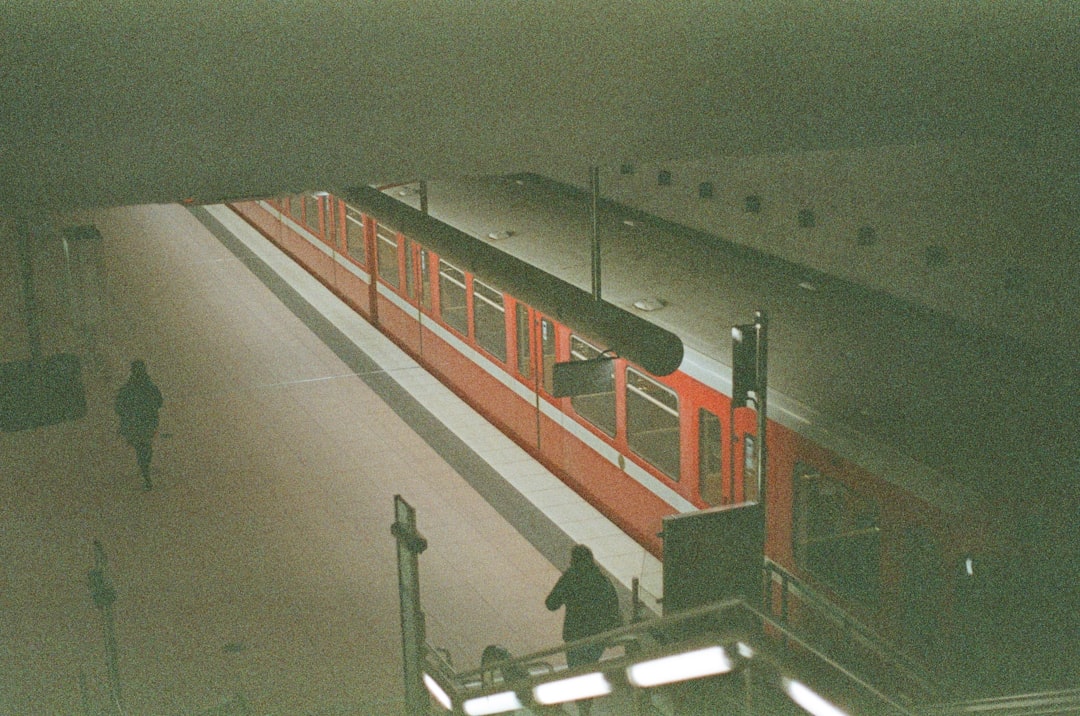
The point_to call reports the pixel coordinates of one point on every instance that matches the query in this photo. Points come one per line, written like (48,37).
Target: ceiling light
(802,695)
(575,688)
(680,667)
(649,304)
(437,691)
(492,704)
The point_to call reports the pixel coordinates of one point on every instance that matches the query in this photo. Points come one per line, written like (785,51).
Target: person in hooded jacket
(137,405)
(592,606)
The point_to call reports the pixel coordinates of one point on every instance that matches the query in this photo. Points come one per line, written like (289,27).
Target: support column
(410,544)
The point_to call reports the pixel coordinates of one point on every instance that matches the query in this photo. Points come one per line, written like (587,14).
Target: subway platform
(259,572)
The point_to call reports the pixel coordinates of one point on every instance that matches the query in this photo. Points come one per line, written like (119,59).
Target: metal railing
(757,667)
(864,650)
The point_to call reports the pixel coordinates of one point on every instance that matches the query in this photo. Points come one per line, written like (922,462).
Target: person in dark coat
(592,606)
(137,405)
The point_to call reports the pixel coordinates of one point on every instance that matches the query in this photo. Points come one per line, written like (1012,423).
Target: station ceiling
(124,101)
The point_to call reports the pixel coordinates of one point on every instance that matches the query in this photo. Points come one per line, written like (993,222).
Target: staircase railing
(864,651)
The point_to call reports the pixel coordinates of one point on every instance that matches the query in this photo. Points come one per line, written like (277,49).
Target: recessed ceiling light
(649,304)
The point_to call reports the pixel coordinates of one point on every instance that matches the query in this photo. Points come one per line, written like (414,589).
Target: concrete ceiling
(133,101)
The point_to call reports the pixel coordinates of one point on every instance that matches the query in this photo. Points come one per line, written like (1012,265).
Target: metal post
(104,596)
(410,544)
(594,211)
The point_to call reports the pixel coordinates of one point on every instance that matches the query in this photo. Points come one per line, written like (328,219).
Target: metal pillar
(761,369)
(104,596)
(410,544)
(749,376)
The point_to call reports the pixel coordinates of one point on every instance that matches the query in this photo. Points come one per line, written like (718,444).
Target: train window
(311,212)
(354,235)
(410,279)
(296,206)
(524,341)
(386,247)
(652,422)
(425,278)
(489,319)
(598,408)
(547,346)
(836,535)
(710,463)
(452,298)
(749,474)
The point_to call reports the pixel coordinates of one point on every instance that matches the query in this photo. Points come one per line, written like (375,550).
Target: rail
(884,658)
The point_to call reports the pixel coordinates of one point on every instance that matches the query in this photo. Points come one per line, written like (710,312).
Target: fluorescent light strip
(437,691)
(680,667)
(492,704)
(575,688)
(802,695)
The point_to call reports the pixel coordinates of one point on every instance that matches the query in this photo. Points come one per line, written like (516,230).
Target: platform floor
(260,567)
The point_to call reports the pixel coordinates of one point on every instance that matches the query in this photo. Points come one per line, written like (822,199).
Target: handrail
(1065,701)
(887,652)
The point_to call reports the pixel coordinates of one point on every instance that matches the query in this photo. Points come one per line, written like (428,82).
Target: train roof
(987,413)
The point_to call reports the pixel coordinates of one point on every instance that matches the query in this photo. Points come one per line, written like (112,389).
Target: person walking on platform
(592,607)
(137,405)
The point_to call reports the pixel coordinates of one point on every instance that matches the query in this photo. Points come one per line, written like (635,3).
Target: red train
(890,479)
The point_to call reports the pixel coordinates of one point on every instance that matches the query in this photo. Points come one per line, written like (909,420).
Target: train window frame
(843,554)
(651,423)
(296,208)
(593,407)
(386,237)
(710,454)
(355,243)
(455,315)
(489,329)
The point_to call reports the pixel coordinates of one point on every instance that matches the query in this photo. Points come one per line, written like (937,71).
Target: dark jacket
(592,606)
(137,404)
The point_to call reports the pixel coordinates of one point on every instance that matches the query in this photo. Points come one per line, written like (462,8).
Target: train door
(543,344)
